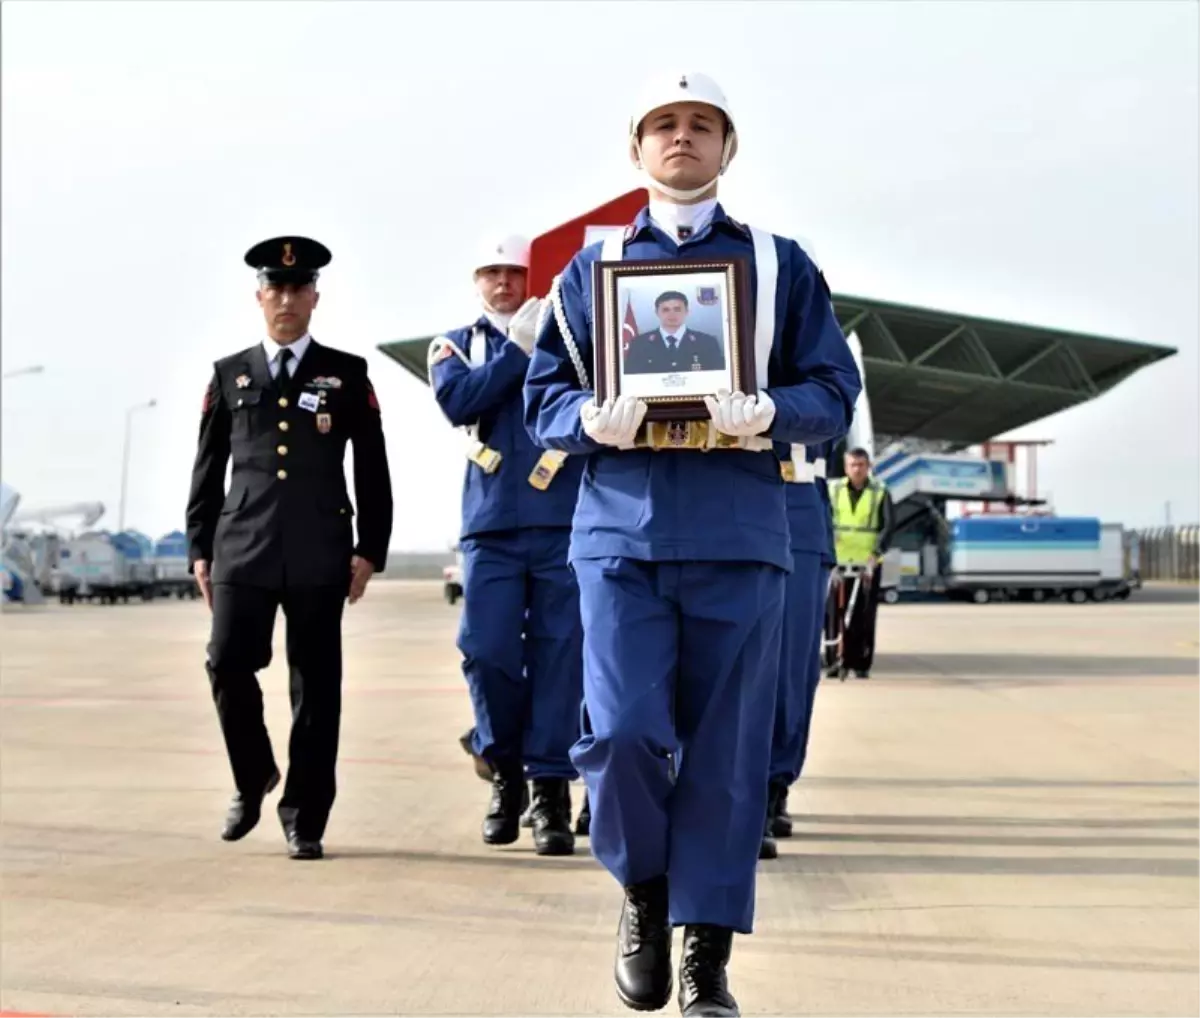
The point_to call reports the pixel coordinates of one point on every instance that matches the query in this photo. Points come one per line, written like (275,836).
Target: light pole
(34,369)
(125,457)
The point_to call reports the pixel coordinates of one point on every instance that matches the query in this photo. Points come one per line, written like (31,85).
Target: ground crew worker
(283,410)
(804,610)
(681,557)
(520,635)
(862,526)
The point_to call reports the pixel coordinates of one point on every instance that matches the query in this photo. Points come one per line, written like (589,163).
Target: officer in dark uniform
(673,346)
(283,536)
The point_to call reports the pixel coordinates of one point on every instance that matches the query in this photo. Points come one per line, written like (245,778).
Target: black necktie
(282,379)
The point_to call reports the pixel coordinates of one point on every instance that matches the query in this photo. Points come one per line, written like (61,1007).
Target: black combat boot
(551,813)
(703,986)
(482,768)
(583,825)
(643,969)
(768,849)
(781,822)
(502,824)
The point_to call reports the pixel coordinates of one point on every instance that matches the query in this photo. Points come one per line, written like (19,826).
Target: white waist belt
(802,471)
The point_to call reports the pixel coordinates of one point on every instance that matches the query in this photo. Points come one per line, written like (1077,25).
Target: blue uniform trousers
(799,664)
(522,646)
(680,663)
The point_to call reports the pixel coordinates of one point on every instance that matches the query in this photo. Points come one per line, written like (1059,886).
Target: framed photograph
(671,333)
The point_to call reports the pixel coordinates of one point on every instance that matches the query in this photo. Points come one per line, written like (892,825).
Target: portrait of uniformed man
(673,346)
(283,536)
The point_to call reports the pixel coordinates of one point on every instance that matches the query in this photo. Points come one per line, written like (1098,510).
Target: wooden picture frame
(673,332)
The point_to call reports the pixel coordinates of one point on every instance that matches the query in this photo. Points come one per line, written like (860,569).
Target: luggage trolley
(845,586)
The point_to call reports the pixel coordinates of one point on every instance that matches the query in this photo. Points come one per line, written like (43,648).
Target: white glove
(615,422)
(740,415)
(522,328)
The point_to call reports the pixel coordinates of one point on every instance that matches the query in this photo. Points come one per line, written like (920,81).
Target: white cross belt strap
(478,347)
(487,459)
(766,264)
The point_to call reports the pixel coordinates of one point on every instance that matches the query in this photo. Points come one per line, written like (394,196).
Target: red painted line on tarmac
(87,700)
(24,1014)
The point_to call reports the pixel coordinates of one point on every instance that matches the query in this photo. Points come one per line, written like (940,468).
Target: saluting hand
(523,328)
(200,568)
(360,573)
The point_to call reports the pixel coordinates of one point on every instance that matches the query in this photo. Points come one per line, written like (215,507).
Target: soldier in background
(521,637)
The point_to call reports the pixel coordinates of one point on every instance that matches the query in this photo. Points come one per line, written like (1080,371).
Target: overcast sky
(1034,162)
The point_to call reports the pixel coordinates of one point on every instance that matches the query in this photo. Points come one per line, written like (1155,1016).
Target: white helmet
(510,250)
(673,88)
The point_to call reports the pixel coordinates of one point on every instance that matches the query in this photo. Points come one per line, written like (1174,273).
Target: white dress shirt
(273,350)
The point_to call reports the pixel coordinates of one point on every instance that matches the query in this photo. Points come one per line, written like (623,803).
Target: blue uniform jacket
(810,521)
(491,395)
(723,505)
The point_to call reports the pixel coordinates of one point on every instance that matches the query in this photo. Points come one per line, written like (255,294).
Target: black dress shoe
(303,848)
(861,673)
(551,816)
(502,824)
(781,821)
(703,985)
(643,968)
(246,811)
(583,825)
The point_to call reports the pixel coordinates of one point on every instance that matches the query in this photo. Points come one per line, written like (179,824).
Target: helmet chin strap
(678,194)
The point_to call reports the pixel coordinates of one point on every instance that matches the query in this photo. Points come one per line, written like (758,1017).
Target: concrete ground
(1003,820)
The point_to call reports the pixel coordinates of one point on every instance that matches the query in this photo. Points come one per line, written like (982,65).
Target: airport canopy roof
(949,377)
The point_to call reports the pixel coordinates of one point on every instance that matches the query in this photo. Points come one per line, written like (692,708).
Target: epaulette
(742,228)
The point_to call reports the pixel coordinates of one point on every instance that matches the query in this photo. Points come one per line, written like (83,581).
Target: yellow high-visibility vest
(856,527)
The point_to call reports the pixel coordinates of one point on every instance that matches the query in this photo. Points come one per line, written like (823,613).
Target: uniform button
(281,474)
(283,401)
(283,425)
(281,449)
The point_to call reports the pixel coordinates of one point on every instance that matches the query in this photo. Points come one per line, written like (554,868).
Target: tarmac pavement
(1002,820)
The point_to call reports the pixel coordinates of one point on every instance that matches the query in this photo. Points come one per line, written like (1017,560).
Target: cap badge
(288,258)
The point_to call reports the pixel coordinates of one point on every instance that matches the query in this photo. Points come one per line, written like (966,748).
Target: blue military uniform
(520,635)
(681,558)
(811,533)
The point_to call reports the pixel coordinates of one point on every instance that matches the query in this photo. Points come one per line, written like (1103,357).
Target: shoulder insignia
(372,400)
